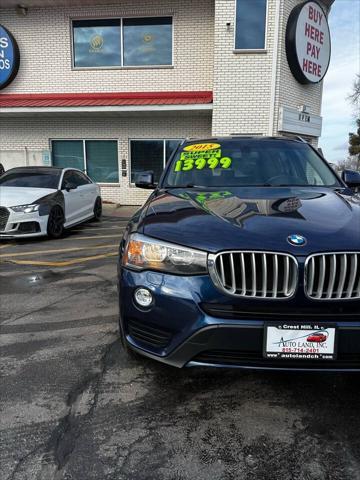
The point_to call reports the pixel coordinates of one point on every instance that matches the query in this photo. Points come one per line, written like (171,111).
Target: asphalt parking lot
(74,407)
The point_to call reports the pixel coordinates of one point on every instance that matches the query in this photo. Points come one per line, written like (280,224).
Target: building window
(150,155)
(68,154)
(97,158)
(250,24)
(97,43)
(147,41)
(122,42)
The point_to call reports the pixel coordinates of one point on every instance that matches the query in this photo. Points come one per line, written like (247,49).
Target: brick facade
(242,81)
(248,87)
(44,38)
(37,134)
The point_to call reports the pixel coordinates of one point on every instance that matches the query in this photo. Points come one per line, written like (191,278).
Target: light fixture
(143,297)
(304,109)
(21,10)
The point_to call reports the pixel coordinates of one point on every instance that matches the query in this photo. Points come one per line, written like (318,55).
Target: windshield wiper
(188,185)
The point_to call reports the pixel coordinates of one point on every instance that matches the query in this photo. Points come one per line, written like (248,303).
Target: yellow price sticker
(184,165)
(201,147)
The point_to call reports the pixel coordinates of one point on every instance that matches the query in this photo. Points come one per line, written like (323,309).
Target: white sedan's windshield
(30,179)
(248,162)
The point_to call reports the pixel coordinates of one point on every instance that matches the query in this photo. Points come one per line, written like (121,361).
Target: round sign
(308,43)
(9,57)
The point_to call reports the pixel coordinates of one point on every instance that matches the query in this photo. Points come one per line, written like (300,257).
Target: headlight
(143,253)
(26,208)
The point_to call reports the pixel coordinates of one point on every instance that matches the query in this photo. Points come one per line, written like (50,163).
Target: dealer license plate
(299,341)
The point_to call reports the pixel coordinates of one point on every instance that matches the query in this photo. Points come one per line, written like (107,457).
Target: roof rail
(301,139)
(244,135)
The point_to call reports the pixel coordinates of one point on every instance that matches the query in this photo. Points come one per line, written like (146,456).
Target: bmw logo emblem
(297,240)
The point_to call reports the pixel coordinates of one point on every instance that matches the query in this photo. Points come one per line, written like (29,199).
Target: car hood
(11,196)
(255,218)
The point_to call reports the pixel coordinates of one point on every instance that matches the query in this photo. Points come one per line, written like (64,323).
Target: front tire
(55,226)
(98,209)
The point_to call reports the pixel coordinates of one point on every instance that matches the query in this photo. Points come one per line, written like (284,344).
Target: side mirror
(70,186)
(145,180)
(351,178)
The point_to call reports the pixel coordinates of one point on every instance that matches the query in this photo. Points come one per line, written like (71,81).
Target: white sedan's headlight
(143,253)
(26,208)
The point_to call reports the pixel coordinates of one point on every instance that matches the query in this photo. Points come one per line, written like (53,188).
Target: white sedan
(36,201)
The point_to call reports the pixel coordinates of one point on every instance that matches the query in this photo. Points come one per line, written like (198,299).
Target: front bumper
(19,225)
(182,327)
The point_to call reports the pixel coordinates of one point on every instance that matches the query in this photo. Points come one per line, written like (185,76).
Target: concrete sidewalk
(116,210)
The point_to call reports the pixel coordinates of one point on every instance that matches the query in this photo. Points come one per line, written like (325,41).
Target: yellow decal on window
(201,147)
(186,164)
(206,154)
(201,156)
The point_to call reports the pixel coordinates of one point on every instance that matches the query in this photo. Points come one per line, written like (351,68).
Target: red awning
(23,100)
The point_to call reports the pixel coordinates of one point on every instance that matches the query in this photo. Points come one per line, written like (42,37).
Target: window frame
(122,66)
(84,140)
(163,140)
(252,50)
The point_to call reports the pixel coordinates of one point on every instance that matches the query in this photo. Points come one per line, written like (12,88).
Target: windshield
(31,179)
(248,162)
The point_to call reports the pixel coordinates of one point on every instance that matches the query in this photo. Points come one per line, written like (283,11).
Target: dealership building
(112,88)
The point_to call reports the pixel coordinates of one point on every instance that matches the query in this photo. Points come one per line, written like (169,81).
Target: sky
(337,112)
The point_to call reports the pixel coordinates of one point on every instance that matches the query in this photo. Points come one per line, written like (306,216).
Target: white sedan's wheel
(98,209)
(55,226)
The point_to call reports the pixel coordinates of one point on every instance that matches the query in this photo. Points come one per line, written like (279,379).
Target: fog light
(143,297)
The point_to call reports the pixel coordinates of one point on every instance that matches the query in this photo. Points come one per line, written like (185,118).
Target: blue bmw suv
(246,254)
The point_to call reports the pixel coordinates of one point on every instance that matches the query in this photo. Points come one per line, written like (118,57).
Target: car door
(75,199)
(90,192)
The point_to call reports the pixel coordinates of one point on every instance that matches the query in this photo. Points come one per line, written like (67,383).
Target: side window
(250,24)
(151,155)
(82,179)
(71,177)
(65,180)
